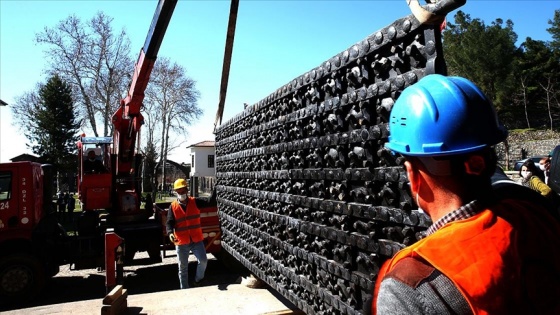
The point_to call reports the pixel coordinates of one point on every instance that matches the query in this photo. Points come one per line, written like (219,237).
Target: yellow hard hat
(180,183)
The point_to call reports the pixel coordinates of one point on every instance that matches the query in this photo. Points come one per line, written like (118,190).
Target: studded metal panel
(309,199)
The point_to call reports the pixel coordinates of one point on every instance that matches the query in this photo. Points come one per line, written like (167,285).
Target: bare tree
(151,125)
(172,97)
(25,109)
(149,151)
(94,60)
(549,95)
(524,87)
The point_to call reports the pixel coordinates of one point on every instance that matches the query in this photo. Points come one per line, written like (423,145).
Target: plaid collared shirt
(465,212)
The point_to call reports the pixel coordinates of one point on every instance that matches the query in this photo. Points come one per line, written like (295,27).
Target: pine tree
(554,31)
(54,134)
(482,53)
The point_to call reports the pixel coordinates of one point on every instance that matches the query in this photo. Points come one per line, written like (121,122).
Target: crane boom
(127,120)
(147,57)
(117,187)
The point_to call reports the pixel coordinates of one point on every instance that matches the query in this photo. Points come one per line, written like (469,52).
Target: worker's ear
(475,165)
(413,178)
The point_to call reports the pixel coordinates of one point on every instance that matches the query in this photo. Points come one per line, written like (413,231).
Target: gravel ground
(78,285)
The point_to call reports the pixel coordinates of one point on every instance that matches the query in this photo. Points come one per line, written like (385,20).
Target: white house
(203,159)
(203,166)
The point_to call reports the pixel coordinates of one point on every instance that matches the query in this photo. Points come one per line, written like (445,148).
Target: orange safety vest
(187,223)
(503,261)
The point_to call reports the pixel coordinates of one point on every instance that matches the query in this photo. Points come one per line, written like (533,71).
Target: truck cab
(30,237)
(21,196)
(94,184)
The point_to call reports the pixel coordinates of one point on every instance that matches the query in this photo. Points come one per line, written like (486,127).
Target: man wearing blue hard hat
(485,253)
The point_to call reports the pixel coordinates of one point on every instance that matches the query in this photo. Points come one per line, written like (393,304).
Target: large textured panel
(309,199)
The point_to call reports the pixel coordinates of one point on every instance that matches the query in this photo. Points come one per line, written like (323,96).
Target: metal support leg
(114,251)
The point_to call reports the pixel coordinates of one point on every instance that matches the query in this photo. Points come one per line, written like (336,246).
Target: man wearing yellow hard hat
(185,231)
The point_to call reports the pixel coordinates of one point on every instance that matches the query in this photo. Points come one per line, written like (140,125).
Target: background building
(203,166)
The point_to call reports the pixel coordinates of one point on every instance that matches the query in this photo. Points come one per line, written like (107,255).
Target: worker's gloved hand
(172,238)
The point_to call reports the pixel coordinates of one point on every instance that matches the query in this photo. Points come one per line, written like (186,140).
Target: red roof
(207,143)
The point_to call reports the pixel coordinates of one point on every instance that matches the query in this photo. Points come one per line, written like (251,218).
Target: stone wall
(526,144)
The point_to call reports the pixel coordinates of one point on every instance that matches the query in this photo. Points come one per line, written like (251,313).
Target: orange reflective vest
(503,261)
(187,222)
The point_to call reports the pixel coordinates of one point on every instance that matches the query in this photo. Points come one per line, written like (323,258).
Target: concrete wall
(528,144)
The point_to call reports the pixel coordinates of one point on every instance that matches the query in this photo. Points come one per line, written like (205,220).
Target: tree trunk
(506,157)
(525,102)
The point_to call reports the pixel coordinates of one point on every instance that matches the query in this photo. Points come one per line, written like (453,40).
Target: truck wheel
(21,277)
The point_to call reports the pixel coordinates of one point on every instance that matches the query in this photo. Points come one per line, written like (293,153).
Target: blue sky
(275,42)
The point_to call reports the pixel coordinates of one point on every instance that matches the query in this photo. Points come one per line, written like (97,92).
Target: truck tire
(22,277)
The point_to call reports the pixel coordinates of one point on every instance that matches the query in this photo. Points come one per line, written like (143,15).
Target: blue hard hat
(442,115)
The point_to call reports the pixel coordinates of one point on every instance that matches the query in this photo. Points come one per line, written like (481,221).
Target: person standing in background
(544,165)
(530,178)
(61,202)
(71,205)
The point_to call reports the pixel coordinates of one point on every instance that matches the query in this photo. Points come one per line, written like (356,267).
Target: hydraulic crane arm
(147,58)
(127,120)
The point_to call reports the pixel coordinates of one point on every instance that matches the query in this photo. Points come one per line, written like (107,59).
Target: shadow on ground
(87,285)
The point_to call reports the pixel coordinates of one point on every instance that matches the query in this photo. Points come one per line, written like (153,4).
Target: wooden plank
(117,307)
(113,295)
(120,305)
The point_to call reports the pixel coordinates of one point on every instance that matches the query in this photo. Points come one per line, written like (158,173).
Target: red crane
(118,188)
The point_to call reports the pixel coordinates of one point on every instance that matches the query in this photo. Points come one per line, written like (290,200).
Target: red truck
(31,240)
